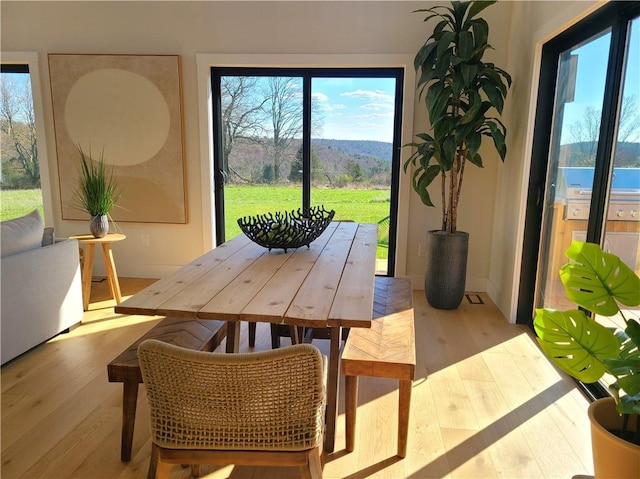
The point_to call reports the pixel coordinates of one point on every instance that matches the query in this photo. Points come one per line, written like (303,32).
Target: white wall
(533,24)
(492,199)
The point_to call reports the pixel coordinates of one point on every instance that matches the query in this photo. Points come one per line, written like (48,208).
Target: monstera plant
(598,283)
(580,346)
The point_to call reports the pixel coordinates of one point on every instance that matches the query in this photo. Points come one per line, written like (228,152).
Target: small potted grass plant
(585,349)
(96,192)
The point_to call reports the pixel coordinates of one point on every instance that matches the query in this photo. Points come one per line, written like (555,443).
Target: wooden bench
(198,334)
(386,350)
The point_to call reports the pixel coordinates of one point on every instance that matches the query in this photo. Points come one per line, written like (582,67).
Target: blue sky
(591,73)
(355,108)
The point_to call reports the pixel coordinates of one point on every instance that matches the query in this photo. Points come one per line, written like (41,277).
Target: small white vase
(99,225)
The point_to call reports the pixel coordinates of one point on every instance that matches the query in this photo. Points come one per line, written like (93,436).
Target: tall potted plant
(96,192)
(463,93)
(597,281)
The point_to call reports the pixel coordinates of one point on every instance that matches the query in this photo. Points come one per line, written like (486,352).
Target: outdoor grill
(623,214)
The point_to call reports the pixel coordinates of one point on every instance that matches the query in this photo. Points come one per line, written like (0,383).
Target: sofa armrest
(41,295)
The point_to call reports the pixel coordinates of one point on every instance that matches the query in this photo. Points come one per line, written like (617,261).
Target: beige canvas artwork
(128,107)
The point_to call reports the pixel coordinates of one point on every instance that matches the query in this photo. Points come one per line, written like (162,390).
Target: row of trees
(268,112)
(262,120)
(584,133)
(18,148)
(264,110)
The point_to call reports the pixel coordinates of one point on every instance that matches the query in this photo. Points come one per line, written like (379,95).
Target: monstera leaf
(596,280)
(626,369)
(575,342)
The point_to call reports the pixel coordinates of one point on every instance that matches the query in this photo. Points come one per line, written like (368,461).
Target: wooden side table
(89,241)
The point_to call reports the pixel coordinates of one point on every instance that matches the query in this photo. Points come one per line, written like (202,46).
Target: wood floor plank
(484,395)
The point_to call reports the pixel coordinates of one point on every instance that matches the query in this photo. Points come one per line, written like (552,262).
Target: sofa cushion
(48,237)
(21,234)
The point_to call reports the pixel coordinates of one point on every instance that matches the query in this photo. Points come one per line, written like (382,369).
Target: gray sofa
(41,291)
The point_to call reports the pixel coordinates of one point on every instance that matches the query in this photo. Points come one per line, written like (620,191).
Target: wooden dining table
(329,284)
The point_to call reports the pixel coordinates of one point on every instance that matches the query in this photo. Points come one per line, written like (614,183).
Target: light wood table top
(90,239)
(330,284)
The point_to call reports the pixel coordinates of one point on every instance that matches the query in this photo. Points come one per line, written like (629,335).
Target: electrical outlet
(144,239)
(422,249)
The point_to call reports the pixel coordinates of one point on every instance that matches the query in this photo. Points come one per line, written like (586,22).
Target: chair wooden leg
(164,470)
(153,462)
(404,405)
(252,334)
(313,470)
(275,337)
(351,406)
(195,468)
(129,403)
(294,333)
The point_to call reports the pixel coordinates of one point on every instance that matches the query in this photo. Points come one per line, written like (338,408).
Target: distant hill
(374,149)
(627,154)
(334,162)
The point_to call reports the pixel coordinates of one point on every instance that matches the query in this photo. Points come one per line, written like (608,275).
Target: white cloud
(321,97)
(369,94)
(377,106)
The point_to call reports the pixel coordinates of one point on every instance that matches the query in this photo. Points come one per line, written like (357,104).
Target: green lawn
(365,206)
(16,203)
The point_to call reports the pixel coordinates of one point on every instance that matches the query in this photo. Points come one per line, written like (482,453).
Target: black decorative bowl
(287,229)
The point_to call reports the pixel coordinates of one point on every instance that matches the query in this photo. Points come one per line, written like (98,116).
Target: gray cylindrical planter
(446,272)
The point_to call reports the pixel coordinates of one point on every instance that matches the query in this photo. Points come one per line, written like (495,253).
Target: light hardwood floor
(486,404)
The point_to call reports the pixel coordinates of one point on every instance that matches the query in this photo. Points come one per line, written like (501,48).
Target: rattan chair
(265,408)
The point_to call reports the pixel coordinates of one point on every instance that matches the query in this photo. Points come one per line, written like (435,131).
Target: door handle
(222,178)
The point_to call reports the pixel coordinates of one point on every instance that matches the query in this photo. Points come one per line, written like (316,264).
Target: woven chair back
(266,401)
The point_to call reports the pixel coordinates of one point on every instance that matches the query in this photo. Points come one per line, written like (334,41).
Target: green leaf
(476,160)
(469,74)
(473,142)
(480,32)
(437,100)
(493,94)
(424,56)
(596,280)
(624,367)
(633,331)
(575,342)
(443,64)
(427,75)
(459,9)
(490,74)
(498,139)
(504,74)
(422,180)
(448,152)
(444,42)
(465,45)
(477,7)
(628,404)
(475,104)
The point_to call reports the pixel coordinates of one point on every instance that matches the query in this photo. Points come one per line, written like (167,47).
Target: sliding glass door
(585,172)
(288,139)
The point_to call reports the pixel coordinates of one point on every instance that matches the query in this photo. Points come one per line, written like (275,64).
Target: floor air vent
(474,298)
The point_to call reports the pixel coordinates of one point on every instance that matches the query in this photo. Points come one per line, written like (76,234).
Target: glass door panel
(622,225)
(572,156)
(352,130)
(261,130)
(289,139)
